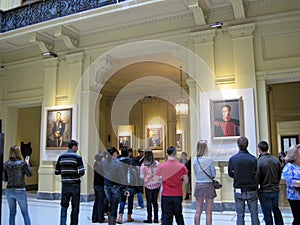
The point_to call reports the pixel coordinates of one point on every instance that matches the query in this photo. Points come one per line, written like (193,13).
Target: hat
(140,150)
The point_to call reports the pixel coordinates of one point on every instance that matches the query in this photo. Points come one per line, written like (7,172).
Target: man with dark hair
(268,178)
(242,168)
(172,173)
(226,126)
(70,166)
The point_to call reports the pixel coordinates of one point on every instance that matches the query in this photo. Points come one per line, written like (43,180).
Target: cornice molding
(75,58)
(243,30)
(203,36)
(230,79)
(277,76)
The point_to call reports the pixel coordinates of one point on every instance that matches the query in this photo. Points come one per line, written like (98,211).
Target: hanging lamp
(182,108)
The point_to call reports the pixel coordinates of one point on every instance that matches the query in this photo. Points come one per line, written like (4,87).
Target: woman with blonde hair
(291,173)
(14,171)
(204,190)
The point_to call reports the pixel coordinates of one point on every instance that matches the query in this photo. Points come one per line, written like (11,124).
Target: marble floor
(44,212)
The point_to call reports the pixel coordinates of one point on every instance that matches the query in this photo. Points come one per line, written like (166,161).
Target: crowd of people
(118,176)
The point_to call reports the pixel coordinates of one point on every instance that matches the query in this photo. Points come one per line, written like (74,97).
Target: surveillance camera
(217,25)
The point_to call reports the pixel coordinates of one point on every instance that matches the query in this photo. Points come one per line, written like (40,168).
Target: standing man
(70,166)
(140,189)
(242,168)
(268,178)
(172,173)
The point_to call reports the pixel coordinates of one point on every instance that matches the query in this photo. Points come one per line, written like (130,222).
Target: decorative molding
(50,63)
(69,37)
(203,36)
(75,58)
(229,79)
(238,9)
(278,76)
(44,43)
(243,30)
(197,12)
(62,98)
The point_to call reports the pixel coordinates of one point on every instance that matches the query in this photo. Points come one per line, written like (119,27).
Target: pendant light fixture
(182,108)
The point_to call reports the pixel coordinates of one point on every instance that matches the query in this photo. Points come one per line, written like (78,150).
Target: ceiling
(85,30)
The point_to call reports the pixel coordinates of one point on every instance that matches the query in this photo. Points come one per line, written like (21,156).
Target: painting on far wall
(59,128)
(125,141)
(227,118)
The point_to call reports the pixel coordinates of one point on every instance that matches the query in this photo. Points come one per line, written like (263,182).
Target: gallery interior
(148,74)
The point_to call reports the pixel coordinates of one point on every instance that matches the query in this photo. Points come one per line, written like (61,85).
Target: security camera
(217,25)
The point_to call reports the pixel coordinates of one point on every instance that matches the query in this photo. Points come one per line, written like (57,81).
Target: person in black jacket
(70,166)
(242,168)
(99,203)
(14,171)
(268,178)
(128,166)
(114,182)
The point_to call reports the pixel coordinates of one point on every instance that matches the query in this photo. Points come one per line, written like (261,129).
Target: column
(47,185)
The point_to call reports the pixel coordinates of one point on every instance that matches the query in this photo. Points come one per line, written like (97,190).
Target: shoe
(147,221)
(139,207)
(120,219)
(186,198)
(155,221)
(129,218)
(104,221)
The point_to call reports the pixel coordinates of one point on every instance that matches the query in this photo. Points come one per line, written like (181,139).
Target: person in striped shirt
(70,166)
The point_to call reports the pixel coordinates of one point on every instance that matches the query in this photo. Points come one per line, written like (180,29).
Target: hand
(27,159)
(127,193)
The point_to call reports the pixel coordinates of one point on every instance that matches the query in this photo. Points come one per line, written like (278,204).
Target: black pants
(151,199)
(171,206)
(295,206)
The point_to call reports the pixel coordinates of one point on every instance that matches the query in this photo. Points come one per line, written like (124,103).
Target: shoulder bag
(216,183)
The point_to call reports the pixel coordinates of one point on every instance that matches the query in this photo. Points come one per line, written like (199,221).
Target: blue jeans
(69,192)
(140,199)
(151,199)
(130,201)
(171,206)
(13,196)
(269,204)
(98,208)
(251,198)
(113,195)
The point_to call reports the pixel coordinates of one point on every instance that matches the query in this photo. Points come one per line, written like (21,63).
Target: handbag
(217,184)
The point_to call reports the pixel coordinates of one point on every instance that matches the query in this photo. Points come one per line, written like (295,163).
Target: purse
(217,184)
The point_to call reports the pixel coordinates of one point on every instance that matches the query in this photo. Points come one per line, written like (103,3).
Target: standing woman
(204,189)
(14,171)
(147,173)
(291,173)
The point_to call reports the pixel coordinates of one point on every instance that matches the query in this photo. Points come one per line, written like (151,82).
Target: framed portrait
(179,141)
(125,141)
(59,127)
(155,137)
(226,118)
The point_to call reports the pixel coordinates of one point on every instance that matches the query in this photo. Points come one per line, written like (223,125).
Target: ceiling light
(53,54)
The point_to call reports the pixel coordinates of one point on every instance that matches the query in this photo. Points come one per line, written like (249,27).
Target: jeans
(113,195)
(171,205)
(130,201)
(151,199)
(13,196)
(70,192)
(140,199)
(295,206)
(251,198)
(98,208)
(269,204)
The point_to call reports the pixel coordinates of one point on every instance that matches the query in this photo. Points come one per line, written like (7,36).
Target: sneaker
(155,221)
(147,221)
(139,207)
